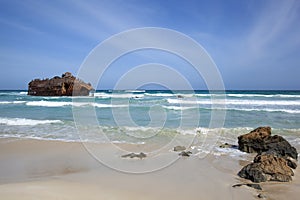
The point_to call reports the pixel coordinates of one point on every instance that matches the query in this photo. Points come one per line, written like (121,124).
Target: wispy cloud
(275,24)
(20,26)
(95,20)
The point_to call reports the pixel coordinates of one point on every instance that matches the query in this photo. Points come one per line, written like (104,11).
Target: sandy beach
(36,169)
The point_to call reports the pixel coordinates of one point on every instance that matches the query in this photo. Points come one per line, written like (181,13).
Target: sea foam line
(265,110)
(233,102)
(115,95)
(49,103)
(76,104)
(26,122)
(265,95)
(176,108)
(12,102)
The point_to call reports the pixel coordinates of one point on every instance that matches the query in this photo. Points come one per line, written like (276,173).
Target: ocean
(142,116)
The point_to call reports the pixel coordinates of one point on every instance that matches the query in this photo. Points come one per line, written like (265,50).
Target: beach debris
(185,153)
(179,148)
(275,159)
(252,185)
(135,155)
(226,145)
(66,85)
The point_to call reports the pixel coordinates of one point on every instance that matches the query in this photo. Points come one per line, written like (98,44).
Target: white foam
(135,91)
(292,111)
(169,95)
(115,95)
(76,104)
(248,95)
(159,94)
(140,128)
(235,102)
(203,95)
(173,101)
(23,93)
(49,103)
(228,151)
(102,95)
(266,110)
(26,122)
(264,95)
(12,102)
(99,105)
(177,107)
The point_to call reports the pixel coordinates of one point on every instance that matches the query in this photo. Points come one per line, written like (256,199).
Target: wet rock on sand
(179,148)
(185,153)
(275,160)
(267,168)
(260,140)
(262,196)
(226,145)
(252,142)
(135,155)
(253,185)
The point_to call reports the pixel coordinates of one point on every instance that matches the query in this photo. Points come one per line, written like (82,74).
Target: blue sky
(254,43)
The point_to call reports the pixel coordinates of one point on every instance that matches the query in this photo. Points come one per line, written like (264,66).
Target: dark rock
(251,142)
(267,168)
(179,148)
(253,172)
(226,145)
(261,196)
(67,85)
(281,178)
(252,185)
(292,163)
(185,153)
(180,96)
(260,140)
(135,155)
(281,146)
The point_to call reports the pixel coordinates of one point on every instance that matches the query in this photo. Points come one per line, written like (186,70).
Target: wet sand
(35,169)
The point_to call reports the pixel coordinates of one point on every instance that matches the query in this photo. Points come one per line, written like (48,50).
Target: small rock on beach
(179,148)
(135,155)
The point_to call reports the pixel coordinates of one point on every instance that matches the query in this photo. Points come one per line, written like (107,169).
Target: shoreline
(65,170)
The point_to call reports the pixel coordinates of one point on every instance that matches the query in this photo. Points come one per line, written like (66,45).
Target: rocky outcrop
(66,85)
(275,160)
(267,168)
(260,140)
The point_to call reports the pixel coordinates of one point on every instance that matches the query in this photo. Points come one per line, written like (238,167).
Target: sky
(254,43)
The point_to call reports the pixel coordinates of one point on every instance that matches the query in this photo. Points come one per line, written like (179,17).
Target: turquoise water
(51,118)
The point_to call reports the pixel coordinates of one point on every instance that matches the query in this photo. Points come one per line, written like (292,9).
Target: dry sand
(34,169)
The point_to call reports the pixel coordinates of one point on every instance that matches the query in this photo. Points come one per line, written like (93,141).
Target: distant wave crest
(26,122)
